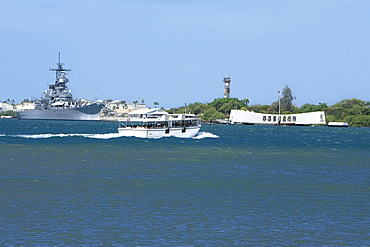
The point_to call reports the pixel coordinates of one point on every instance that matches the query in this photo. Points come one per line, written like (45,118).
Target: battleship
(58,103)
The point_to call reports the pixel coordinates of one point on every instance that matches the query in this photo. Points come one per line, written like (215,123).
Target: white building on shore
(304,119)
(25,106)
(6,107)
(120,107)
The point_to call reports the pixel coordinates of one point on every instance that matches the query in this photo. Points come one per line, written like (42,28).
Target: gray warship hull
(88,112)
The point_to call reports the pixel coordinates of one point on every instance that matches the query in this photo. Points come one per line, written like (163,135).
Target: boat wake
(201,135)
(96,136)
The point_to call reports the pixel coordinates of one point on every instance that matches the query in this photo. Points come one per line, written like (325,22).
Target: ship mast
(60,69)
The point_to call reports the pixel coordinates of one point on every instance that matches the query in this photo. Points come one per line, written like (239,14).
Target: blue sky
(176,52)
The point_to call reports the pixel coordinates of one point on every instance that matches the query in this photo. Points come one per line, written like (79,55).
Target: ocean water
(77,183)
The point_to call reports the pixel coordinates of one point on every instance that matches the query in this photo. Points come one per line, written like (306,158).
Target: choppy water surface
(79,183)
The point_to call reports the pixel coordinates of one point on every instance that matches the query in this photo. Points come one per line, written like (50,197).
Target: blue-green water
(79,184)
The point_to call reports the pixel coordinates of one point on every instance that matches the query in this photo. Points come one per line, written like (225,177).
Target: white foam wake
(202,135)
(96,136)
(42,136)
(105,136)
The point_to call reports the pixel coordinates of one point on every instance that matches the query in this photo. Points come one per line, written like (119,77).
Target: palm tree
(155,104)
(123,102)
(135,102)
(246,101)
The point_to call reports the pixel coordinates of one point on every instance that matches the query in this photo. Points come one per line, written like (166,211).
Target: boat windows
(154,124)
(184,123)
(147,125)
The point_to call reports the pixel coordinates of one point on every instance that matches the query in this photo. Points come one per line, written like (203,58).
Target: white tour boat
(155,123)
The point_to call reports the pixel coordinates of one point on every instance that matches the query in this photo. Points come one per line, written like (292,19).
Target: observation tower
(227,81)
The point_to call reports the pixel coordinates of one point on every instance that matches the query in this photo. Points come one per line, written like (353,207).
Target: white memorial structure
(304,119)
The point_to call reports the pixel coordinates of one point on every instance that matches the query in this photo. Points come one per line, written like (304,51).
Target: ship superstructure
(58,94)
(58,103)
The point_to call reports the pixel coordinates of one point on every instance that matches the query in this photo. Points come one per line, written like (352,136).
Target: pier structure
(227,81)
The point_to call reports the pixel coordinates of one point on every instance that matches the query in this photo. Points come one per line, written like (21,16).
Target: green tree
(350,103)
(354,111)
(8,113)
(123,102)
(311,108)
(358,120)
(259,108)
(135,103)
(286,101)
(211,113)
(196,108)
(225,105)
(246,102)
(274,108)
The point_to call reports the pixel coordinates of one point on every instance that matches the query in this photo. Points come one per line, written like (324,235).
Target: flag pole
(278,92)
